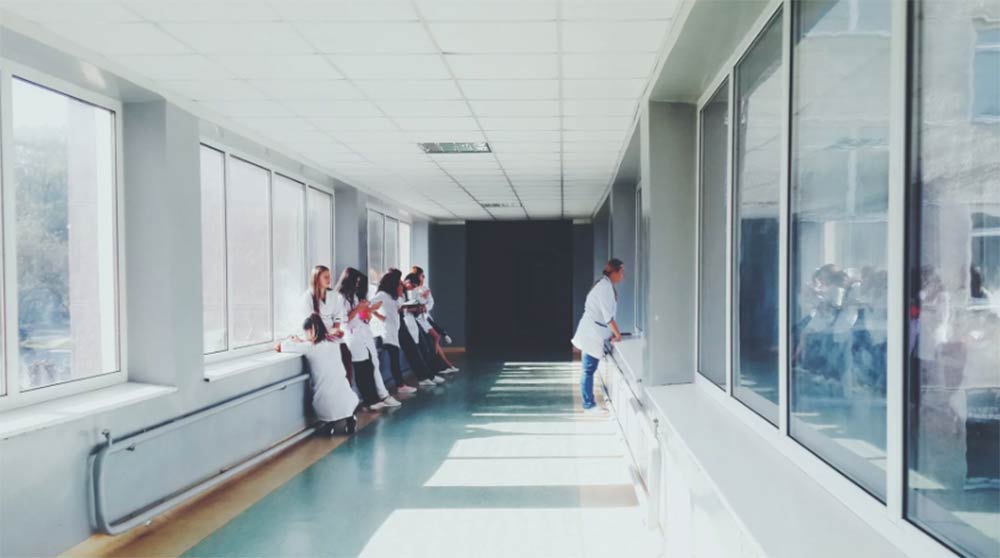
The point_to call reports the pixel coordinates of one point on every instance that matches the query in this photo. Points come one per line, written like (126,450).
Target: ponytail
(613,265)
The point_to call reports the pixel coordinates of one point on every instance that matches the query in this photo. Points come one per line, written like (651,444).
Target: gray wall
(602,237)
(446,275)
(623,247)
(583,267)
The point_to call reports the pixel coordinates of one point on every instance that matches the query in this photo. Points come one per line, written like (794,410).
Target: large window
(249,257)
(839,210)
(288,226)
(213,248)
(64,171)
(376,246)
(714,186)
(320,250)
(391,243)
(641,269)
(953,372)
(388,245)
(404,246)
(757,196)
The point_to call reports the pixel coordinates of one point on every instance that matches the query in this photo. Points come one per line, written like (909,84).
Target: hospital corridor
(500,278)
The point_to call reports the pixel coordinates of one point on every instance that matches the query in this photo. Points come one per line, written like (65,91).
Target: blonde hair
(318,293)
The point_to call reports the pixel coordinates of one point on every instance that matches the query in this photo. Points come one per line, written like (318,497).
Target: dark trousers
(437,328)
(434,361)
(397,373)
(413,355)
(364,374)
(345,357)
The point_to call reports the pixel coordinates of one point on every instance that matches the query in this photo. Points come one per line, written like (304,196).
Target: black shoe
(352,425)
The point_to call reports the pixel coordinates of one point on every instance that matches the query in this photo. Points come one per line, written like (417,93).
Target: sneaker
(378,406)
(452,370)
(596,410)
(407,389)
(439,380)
(427,383)
(391,402)
(447,340)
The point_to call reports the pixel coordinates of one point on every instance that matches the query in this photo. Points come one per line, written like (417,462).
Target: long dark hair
(390,283)
(350,286)
(315,323)
(317,293)
(613,265)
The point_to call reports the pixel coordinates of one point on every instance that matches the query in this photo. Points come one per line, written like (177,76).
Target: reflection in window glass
(404,246)
(320,251)
(986,74)
(953,395)
(64,176)
(712,246)
(391,243)
(213,248)
(839,203)
(249,255)
(376,261)
(288,228)
(759,98)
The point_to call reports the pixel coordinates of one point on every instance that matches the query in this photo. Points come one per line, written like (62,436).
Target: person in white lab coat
(426,323)
(333,400)
(354,312)
(597,326)
(414,342)
(385,326)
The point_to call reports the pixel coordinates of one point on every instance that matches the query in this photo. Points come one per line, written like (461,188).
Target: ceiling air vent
(455,147)
(495,205)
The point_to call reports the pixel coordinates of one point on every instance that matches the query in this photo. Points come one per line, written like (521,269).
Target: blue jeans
(587,380)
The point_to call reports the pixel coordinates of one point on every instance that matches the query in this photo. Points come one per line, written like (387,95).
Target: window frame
(386,213)
(11,395)
(886,518)
(229,353)
(333,227)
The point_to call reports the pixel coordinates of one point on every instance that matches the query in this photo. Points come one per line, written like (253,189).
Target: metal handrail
(131,441)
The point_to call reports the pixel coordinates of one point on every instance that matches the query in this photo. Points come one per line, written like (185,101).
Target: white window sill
(59,411)
(228,368)
(628,356)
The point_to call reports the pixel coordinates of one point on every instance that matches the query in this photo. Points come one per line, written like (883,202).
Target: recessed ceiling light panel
(455,147)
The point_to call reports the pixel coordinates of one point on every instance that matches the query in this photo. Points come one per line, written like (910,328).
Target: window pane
(839,202)
(320,228)
(712,254)
(288,228)
(391,243)
(757,196)
(64,174)
(404,247)
(640,264)
(953,395)
(249,246)
(375,246)
(213,248)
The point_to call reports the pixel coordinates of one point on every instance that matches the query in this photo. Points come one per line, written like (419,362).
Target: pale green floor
(495,463)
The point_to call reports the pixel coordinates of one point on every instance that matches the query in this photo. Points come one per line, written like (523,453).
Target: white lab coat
(388,330)
(359,339)
(327,309)
(427,299)
(332,396)
(598,311)
(410,320)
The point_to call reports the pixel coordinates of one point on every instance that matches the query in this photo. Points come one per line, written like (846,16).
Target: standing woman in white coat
(598,326)
(333,400)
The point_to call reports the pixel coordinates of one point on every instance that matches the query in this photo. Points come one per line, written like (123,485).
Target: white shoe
(447,340)
(427,383)
(407,389)
(391,402)
(596,410)
(378,406)
(452,370)
(439,380)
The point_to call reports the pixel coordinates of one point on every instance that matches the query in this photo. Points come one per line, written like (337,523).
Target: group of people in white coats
(345,330)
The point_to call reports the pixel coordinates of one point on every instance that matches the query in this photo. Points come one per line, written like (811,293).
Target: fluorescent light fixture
(455,147)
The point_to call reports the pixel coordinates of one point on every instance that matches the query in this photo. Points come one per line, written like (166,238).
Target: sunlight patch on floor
(535,446)
(580,471)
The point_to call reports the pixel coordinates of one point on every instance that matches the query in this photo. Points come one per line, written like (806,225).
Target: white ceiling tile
(440,123)
(618,10)
(214,11)
(368,38)
(603,88)
(248,108)
(599,107)
(499,37)
(345,10)
(515,108)
(316,109)
(510,89)
(288,127)
(386,139)
(311,66)
(424,108)
(534,136)
(410,90)
(603,136)
(504,66)
(121,38)
(450,10)
(613,36)
(596,122)
(70,12)
(445,135)
(520,123)
(371,124)
(213,90)
(184,66)
(240,38)
(284,89)
(410,66)
(516,147)
(608,65)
